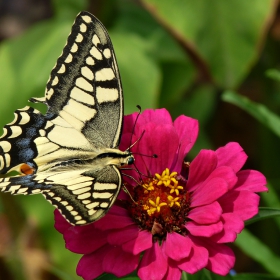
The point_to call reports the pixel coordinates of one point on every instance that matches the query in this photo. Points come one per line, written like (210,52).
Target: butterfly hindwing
(89,199)
(81,197)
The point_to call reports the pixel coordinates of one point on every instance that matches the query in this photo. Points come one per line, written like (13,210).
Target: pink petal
(201,167)
(209,191)
(177,246)
(122,196)
(158,116)
(128,123)
(231,155)
(142,242)
(119,237)
(251,180)
(153,264)
(119,262)
(225,173)
(160,140)
(111,221)
(187,130)
(197,259)
(84,239)
(221,258)
(118,210)
(206,214)
(61,225)
(232,225)
(204,230)
(90,266)
(126,140)
(243,203)
(173,272)
(149,121)
(232,222)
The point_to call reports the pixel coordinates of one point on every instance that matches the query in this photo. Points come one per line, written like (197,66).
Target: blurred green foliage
(205,59)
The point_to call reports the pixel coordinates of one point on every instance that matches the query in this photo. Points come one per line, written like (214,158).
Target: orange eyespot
(26,169)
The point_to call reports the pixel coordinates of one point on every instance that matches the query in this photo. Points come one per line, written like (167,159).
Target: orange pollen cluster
(161,204)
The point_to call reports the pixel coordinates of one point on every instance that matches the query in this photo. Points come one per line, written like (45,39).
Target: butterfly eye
(130,160)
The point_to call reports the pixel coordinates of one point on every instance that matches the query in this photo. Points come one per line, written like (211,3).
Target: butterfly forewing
(71,155)
(84,87)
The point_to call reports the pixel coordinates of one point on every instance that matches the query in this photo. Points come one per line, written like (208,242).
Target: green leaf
(7,79)
(61,274)
(69,8)
(25,75)
(271,199)
(140,75)
(251,276)
(227,39)
(201,104)
(177,77)
(258,251)
(42,55)
(177,72)
(258,111)
(204,274)
(264,212)
(273,74)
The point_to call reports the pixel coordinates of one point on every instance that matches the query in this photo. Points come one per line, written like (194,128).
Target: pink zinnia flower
(182,214)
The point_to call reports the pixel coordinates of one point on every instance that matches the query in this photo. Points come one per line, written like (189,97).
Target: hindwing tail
(81,198)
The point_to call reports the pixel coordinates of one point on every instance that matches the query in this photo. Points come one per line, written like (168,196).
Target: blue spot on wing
(26,155)
(23,148)
(28,182)
(31,132)
(23,143)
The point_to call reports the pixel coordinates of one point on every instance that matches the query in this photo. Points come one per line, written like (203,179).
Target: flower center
(161,204)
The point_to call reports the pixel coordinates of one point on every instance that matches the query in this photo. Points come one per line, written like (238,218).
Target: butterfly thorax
(110,157)
(107,157)
(114,157)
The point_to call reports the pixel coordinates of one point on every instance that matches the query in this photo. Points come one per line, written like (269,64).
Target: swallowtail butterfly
(70,154)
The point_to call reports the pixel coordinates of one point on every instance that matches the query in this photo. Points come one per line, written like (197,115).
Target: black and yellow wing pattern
(70,154)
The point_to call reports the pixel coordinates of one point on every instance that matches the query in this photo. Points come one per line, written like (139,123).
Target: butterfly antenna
(136,140)
(142,134)
(149,156)
(136,170)
(128,193)
(133,129)
(132,178)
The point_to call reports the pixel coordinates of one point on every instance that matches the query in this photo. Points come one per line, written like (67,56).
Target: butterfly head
(127,159)
(114,157)
(130,159)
